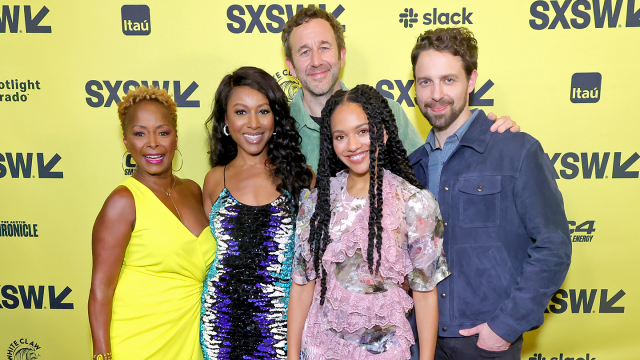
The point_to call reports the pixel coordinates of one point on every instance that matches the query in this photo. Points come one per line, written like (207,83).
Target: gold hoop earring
(225,130)
(181,160)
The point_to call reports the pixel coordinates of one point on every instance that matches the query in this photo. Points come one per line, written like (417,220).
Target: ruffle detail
(327,346)
(345,310)
(396,263)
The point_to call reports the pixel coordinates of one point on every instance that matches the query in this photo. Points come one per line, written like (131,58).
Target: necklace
(169,195)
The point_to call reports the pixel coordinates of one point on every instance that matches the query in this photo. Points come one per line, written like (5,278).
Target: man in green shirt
(314,46)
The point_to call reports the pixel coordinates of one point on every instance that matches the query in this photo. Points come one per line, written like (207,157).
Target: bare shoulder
(120,199)
(119,208)
(192,187)
(214,180)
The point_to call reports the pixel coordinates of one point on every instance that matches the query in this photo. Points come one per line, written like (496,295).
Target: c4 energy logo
(23,349)
(410,17)
(582,232)
(583,301)
(96,97)
(32,297)
(22,163)
(274,13)
(10,18)
(387,87)
(18,229)
(586,87)
(594,166)
(288,83)
(21,87)
(558,15)
(561,356)
(128,165)
(136,20)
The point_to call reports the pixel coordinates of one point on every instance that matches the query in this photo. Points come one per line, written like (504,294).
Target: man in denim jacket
(506,236)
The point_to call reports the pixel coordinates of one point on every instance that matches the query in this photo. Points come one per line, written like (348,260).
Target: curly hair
(284,157)
(391,156)
(305,15)
(152,93)
(456,41)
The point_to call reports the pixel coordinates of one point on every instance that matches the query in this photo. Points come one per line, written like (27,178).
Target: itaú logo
(136,20)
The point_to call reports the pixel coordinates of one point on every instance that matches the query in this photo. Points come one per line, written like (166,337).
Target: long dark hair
(284,158)
(391,156)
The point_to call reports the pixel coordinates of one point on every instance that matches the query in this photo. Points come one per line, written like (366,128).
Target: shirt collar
(430,144)
(301,114)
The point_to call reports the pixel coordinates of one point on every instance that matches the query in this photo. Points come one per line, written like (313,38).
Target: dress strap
(224,176)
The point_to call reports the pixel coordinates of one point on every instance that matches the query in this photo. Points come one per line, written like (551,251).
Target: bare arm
(426,307)
(299,304)
(111,234)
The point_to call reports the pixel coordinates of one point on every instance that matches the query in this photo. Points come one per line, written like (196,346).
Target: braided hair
(284,158)
(391,156)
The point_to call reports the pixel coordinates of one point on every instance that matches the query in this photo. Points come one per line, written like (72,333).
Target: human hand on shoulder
(503,123)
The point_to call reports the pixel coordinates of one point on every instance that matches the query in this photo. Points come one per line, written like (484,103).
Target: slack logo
(136,20)
(586,87)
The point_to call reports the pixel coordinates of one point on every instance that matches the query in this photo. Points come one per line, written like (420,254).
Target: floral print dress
(364,316)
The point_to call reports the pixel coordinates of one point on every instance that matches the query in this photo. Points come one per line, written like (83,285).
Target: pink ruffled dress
(364,316)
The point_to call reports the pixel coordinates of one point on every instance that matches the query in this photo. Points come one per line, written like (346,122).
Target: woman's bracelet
(105,356)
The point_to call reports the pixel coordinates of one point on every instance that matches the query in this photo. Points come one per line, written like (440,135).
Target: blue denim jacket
(506,236)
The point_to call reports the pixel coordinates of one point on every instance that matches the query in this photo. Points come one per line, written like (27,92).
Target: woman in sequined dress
(367,226)
(255,158)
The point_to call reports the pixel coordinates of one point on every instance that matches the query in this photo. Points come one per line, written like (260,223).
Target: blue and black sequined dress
(246,292)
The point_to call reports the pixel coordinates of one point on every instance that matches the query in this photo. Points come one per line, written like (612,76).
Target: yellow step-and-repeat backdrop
(565,70)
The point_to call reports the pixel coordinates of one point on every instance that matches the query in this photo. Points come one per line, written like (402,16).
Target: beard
(444,120)
(323,88)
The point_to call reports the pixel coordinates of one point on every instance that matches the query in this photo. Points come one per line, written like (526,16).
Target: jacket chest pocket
(479,200)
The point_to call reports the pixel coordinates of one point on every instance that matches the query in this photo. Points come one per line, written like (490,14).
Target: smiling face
(316,60)
(250,120)
(442,87)
(350,134)
(150,137)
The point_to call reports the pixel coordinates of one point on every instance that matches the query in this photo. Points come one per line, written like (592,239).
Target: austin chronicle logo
(136,20)
(586,87)
(23,349)
(288,83)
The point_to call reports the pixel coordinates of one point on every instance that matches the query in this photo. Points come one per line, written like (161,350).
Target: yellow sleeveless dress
(156,305)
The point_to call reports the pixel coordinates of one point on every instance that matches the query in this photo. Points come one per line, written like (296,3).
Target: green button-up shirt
(310,131)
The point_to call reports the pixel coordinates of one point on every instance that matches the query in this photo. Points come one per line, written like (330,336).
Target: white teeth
(253,137)
(358,157)
(154,157)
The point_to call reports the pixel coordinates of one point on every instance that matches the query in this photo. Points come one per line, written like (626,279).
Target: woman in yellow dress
(151,245)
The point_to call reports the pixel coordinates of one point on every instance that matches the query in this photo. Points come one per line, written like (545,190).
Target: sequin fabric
(364,315)
(246,292)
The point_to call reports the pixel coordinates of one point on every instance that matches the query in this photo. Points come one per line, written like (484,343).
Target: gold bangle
(105,356)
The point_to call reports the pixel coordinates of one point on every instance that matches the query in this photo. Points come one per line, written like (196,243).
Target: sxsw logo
(572,163)
(605,11)
(23,163)
(583,301)
(136,20)
(274,13)
(31,23)
(32,297)
(586,87)
(388,87)
(96,97)
(410,17)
